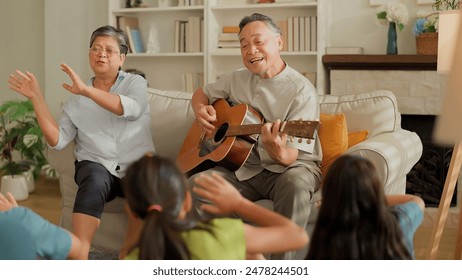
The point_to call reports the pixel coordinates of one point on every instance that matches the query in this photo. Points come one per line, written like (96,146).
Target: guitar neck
(245,129)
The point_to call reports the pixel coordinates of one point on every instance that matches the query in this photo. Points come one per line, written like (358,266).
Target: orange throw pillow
(356,137)
(333,135)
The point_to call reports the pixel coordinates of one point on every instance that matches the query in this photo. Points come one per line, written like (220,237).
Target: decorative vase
(392,45)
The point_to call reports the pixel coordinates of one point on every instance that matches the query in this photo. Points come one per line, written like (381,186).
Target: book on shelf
(296,35)
(301,33)
(126,23)
(230,29)
(193,34)
(314,33)
(223,45)
(344,50)
(232,2)
(307,33)
(188,34)
(179,39)
(190,2)
(228,40)
(135,39)
(290,34)
(283,26)
(228,37)
(293,1)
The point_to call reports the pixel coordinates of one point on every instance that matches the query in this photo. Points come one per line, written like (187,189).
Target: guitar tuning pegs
(300,140)
(291,139)
(308,141)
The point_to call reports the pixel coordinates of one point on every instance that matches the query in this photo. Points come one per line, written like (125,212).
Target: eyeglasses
(109,52)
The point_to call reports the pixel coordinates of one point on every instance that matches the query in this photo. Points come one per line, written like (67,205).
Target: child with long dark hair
(161,225)
(358,221)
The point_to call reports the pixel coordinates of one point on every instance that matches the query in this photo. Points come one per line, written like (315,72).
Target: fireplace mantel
(379,62)
(412,78)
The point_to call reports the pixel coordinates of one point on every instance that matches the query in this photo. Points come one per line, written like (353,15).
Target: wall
(21,43)
(38,35)
(353,23)
(68,25)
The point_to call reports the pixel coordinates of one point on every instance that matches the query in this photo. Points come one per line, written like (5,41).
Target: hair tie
(154,207)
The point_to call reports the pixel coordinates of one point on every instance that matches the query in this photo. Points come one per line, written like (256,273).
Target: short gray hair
(260,17)
(113,32)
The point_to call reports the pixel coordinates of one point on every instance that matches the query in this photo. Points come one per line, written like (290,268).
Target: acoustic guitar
(229,145)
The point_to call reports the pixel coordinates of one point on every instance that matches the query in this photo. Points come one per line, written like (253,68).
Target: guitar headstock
(300,128)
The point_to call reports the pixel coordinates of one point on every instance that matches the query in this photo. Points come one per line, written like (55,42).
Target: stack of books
(229,37)
(299,33)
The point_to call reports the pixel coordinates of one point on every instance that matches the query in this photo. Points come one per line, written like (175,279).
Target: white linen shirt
(286,96)
(103,137)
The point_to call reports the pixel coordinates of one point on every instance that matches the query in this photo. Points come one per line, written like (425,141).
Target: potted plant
(443,5)
(21,147)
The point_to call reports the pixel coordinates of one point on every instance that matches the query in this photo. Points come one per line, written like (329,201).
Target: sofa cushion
(375,111)
(172,116)
(356,137)
(334,138)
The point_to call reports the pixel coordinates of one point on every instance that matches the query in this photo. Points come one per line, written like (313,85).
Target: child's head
(157,192)
(154,183)
(354,220)
(352,184)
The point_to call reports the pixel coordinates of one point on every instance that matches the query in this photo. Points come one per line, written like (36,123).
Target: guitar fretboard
(245,129)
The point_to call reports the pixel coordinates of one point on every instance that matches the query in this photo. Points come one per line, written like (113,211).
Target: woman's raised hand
(78,86)
(25,84)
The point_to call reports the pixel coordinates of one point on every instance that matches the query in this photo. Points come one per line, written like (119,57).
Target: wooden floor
(45,200)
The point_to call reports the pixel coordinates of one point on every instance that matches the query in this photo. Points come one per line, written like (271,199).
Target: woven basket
(427,43)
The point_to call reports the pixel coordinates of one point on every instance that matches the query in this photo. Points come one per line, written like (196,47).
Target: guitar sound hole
(221,132)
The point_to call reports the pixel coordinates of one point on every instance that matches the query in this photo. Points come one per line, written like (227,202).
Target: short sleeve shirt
(287,96)
(52,241)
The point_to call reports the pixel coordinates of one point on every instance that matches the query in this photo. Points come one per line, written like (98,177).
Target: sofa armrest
(63,160)
(393,154)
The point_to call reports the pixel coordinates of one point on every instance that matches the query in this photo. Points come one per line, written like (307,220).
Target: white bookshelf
(165,69)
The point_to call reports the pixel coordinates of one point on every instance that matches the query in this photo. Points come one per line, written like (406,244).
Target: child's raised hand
(8,202)
(221,193)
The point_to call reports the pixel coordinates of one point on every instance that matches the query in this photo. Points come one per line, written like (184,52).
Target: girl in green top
(162,227)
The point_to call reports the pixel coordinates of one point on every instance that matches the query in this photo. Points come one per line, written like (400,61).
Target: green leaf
(382,15)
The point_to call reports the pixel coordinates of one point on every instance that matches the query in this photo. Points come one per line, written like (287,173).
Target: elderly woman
(108,117)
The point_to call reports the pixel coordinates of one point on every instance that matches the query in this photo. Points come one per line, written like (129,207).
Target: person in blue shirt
(109,119)
(358,221)
(25,235)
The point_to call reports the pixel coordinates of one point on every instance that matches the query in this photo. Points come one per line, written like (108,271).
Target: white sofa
(393,150)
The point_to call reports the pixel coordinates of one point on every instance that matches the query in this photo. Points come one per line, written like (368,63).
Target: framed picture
(380,2)
(425,2)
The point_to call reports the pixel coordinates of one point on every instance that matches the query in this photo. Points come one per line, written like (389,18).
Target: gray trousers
(290,191)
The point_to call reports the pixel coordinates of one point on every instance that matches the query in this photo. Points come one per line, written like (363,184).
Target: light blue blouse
(103,137)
